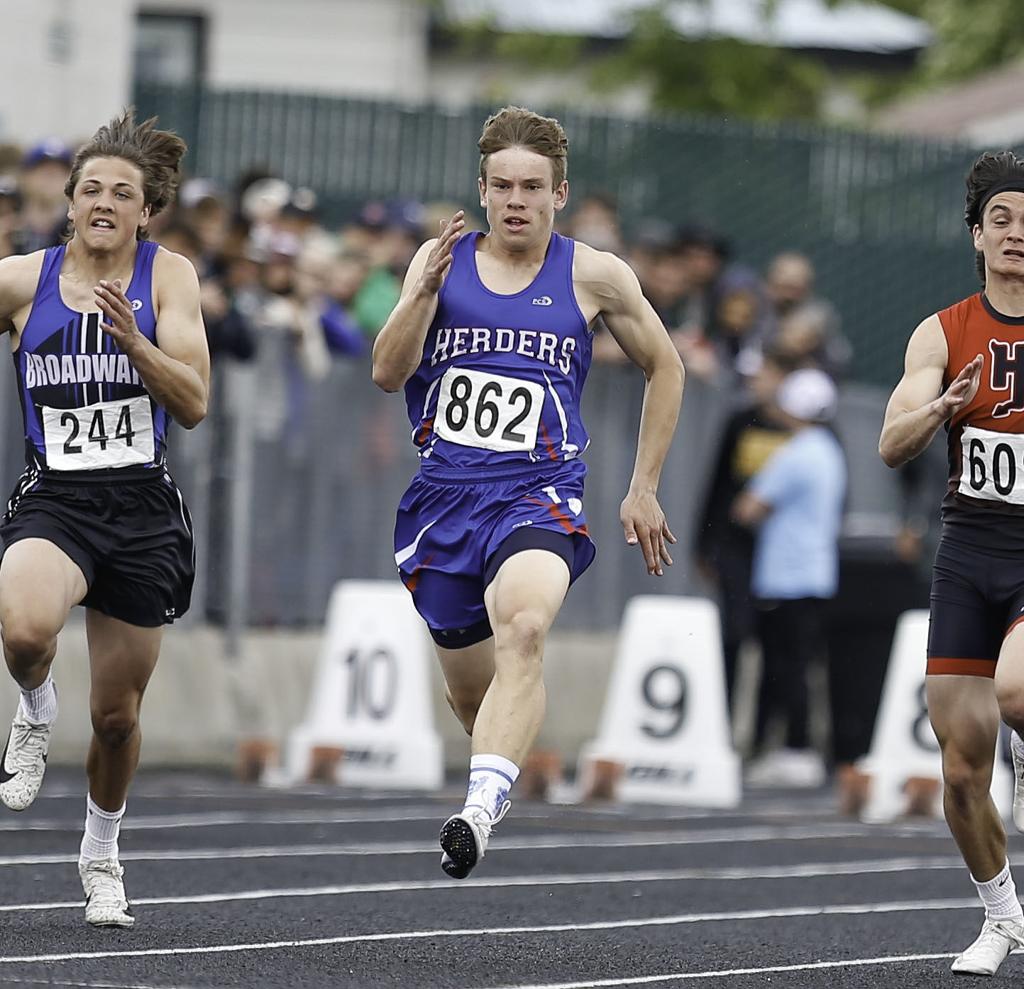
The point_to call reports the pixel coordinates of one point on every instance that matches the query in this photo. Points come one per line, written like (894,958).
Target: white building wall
(65,68)
(374,48)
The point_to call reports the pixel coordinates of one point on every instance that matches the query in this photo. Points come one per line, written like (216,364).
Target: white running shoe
(23,762)
(464,838)
(1017,753)
(105,902)
(996,940)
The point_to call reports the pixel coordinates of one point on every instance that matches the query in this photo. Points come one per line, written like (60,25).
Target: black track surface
(237,886)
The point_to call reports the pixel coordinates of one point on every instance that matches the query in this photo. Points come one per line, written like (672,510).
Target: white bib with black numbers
(488,411)
(101,436)
(993,465)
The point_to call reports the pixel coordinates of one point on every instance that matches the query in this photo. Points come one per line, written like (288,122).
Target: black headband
(1007,185)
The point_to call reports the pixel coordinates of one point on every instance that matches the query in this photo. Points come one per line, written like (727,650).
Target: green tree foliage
(723,76)
(970,35)
(728,77)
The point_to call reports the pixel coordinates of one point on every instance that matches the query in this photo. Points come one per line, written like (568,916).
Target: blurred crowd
(289,292)
(270,266)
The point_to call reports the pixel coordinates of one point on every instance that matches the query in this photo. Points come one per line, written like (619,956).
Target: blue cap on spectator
(52,149)
(373,215)
(406,215)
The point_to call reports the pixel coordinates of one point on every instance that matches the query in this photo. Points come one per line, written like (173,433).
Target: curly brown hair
(156,153)
(517,127)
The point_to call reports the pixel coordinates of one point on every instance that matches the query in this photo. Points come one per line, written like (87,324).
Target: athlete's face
(1000,236)
(108,206)
(520,198)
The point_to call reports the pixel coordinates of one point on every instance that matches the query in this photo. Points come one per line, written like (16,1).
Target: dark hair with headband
(990,175)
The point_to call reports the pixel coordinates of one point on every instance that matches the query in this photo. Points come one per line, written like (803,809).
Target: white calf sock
(490,779)
(101,830)
(39,705)
(999,894)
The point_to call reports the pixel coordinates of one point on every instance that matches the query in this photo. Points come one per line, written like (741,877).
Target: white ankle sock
(39,705)
(999,895)
(101,830)
(490,779)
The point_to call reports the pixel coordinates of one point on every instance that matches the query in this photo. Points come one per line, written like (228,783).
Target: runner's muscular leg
(121,660)
(1009,680)
(522,602)
(39,585)
(965,716)
(467,675)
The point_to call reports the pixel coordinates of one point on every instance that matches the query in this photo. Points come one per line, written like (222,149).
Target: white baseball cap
(807,394)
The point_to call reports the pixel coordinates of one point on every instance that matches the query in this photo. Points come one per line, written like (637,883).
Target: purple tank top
(501,376)
(85,408)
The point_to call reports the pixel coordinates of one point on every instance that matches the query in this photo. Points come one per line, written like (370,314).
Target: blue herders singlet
(84,405)
(501,376)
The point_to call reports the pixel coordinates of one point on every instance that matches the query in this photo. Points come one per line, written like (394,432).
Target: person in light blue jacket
(796,503)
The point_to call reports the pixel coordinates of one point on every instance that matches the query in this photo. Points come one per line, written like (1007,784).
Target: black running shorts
(131,539)
(977,598)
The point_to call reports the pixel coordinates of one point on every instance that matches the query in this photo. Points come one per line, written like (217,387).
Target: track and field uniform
(977,592)
(96,484)
(495,411)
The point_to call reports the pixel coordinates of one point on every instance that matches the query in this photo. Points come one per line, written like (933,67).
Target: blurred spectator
(10,215)
(796,501)
(343,279)
(805,324)
(703,254)
(725,548)
(44,173)
(666,285)
(203,209)
(384,236)
(659,269)
(299,214)
(730,355)
(315,266)
(651,237)
(595,222)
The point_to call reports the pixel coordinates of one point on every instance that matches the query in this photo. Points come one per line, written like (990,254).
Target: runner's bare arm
(176,371)
(398,348)
(19,275)
(918,407)
(639,332)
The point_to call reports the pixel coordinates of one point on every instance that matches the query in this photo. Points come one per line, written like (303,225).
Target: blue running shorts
(451,536)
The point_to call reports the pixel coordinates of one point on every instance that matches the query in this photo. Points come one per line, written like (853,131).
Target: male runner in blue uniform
(491,340)
(108,346)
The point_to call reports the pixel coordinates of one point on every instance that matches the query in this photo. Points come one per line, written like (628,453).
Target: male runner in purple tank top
(491,340)
(108,345)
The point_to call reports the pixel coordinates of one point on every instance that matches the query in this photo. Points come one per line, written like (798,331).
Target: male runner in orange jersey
(965,371)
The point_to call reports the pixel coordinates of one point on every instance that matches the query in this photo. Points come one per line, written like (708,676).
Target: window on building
(170,49)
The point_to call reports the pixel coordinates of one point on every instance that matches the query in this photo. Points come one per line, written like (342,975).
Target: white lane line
(640,980)
(842,909)
(637,839)
(422,812)
(744,874)
(220,819)
(12,980)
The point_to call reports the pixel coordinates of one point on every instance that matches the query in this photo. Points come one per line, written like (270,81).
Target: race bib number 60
(489,411)
(108,434)
(993,465)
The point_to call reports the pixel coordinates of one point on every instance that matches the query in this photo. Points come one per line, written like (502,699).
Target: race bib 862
(489,411)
